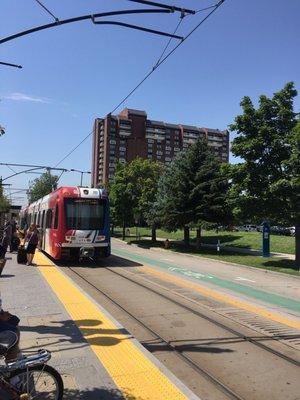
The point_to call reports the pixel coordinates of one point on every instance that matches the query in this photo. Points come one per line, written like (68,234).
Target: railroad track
(217,323)
(180,353)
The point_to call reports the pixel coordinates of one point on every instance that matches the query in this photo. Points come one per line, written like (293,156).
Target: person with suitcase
(31,242)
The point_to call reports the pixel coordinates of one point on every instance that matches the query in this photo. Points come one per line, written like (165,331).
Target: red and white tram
(73,221)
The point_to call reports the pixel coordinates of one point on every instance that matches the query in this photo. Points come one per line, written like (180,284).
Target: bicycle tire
(49,370)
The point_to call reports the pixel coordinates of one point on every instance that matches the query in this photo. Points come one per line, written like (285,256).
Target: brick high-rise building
(123,137)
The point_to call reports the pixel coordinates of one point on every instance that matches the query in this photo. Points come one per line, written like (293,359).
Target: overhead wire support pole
(10,65)
(162,60)
(166,6)
(30,165)
(82,18)
(32,168)
(139,28)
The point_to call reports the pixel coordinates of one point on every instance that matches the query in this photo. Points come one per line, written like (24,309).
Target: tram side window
(43,219)
(24,223)
(48,218)
(56,218)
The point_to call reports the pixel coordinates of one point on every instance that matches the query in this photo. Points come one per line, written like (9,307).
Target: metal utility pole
(91,17)
(31,168)
(81,172)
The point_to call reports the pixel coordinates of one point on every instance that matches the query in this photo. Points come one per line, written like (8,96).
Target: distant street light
(81,172)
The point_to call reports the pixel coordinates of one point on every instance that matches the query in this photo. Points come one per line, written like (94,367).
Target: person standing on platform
(31,242)
(7,235)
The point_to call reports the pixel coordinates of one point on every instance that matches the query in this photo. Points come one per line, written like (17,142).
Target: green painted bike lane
(270,298)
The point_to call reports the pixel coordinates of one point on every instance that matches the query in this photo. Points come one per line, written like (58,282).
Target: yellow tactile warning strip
(134,374)
(224,298)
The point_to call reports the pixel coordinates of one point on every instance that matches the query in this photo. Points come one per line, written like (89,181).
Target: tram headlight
(100,238)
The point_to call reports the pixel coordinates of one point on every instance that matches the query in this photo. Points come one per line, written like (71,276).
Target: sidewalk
(97,358)
(46,324)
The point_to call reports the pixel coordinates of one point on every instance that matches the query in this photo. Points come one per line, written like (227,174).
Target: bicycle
(27,377)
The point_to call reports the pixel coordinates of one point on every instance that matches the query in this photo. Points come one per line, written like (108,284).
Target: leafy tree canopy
(4,202)
(264,184)
(192,190)
(133,190)
(42,186)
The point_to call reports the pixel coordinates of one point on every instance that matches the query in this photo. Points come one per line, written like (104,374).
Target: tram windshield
(84,214)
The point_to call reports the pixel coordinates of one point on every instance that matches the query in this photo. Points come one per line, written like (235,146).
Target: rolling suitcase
(21,256)
(14,245)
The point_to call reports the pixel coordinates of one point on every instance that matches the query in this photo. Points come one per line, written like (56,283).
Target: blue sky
(74,73)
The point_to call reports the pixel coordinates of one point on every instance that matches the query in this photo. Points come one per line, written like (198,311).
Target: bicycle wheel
(40,382)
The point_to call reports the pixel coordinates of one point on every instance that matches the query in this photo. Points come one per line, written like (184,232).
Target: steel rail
(211,320)
(219,324)
(82,18)
(220,385)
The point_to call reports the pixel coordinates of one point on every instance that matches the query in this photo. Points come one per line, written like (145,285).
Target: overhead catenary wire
(169,41)
(205,8)
(154,68)
(168,55)
(48,11)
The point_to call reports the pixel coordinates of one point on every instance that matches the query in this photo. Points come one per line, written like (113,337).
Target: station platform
(95,355)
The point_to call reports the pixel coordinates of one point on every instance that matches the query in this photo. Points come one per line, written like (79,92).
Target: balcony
(215,138)
(190,135)
(151,129)
(215,145)
(155,136)
(124,126)
(125,133)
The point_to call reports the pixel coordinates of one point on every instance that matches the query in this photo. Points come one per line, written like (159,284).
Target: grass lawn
(248,240)
(273,263)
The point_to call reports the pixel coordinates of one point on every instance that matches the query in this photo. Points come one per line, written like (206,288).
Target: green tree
(147,174)
(42,186)
(4,204)
(266,185)
(133,190)
(192,191)
(121,198)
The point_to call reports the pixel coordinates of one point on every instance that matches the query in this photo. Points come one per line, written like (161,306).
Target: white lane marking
(239,278)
